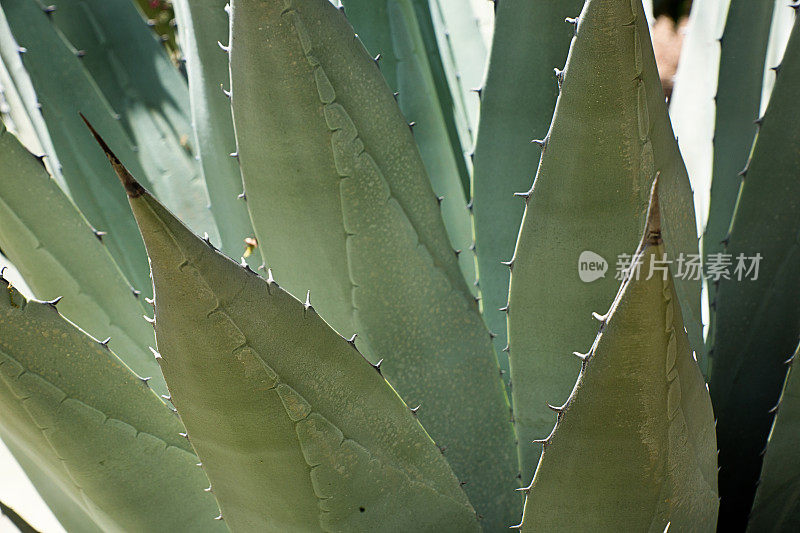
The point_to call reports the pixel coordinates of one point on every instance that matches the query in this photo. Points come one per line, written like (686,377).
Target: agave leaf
(758,320)
(634,447)
(112,446)
(22,109)
(64,88)
(394,29)
(131,68)
(777,507)
(296,430)
(741,78)
(782,21)
(342,206)
(464,54)
(692,106)
(64,505)
(60,255)
(590,195)
(371,21)
(202,25)
(517,105)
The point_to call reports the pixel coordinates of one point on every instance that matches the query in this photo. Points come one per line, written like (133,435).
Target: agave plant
(367,285)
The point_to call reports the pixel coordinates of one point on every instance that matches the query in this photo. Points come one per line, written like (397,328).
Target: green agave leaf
(342,206)
(691,105)
(741,77)
(758,320)
(783,16)
(634,447)
(517,105)
(296,430)
(591,195)
(777,507)
(22,110)
(202,25)
(393,29)
(64,88)
(61,503)
(371,21)
(142,86)
(20,523)
(93,427)
(464,54)
(61,255)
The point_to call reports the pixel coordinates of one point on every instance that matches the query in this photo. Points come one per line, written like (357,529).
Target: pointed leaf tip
(132,187)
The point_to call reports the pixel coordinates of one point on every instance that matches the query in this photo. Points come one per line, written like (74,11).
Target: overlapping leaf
(342,206)
(757,319)
(634,446)
(296,430)
(61,256)
(609,138)
(98,436)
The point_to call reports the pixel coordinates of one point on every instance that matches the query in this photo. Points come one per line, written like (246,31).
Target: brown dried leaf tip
(132,186)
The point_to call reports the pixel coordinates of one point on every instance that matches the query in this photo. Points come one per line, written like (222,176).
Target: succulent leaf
(70,88)
(149,96)
(783,16)
(64,88)
(633,448)
(464,53)
(61,255)
(23,110)
(738,98)
(113,447)
(60,502)
(341,205)
(776,505)
(296,430)
(591,195)
(395,29)
(203,26)
(691,105)
(517,103)
(756,320)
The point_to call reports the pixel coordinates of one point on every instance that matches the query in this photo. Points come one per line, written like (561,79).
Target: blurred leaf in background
(161,18)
